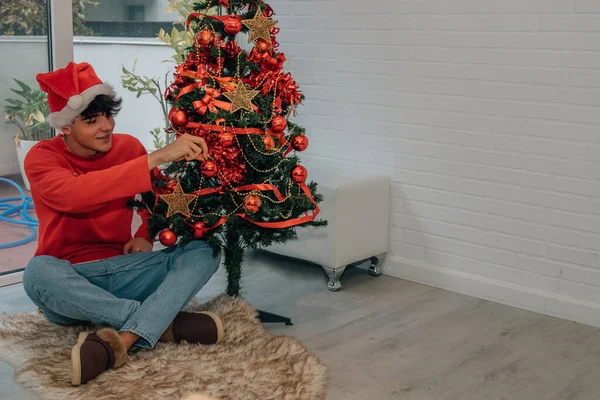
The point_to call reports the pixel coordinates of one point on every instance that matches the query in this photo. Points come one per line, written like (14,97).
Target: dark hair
(102,105)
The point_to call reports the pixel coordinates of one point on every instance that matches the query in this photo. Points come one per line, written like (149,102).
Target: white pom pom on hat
(76,102)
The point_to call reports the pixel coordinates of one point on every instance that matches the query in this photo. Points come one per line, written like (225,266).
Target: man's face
(86,137)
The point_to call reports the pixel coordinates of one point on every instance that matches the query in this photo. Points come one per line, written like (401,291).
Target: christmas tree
(252,191)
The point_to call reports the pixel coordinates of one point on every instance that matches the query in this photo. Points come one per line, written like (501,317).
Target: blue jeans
(139,292)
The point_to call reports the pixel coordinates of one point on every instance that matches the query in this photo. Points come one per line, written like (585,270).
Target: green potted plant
(28,111)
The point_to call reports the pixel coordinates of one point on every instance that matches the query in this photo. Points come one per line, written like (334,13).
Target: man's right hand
(186,147)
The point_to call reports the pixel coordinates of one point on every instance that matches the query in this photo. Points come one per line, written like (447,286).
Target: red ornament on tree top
(233,24)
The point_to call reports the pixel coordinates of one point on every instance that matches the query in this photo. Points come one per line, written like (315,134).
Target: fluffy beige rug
(250,363)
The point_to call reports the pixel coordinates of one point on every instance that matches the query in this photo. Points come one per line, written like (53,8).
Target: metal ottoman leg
(334,275)
(375,269)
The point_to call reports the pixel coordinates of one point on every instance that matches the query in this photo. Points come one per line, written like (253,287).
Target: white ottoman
(357,211)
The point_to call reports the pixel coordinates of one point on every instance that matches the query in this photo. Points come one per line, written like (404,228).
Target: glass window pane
(24,50)
(117,18)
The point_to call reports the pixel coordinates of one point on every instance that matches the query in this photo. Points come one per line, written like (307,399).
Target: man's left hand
(137,245)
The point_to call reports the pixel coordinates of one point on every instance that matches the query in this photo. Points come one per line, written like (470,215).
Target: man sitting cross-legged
(88,268)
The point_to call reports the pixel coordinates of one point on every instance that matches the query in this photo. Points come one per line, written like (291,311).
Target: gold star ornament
(241,98)
(260,26)
(178,201)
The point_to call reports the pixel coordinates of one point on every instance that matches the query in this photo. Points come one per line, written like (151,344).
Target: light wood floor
(385,338)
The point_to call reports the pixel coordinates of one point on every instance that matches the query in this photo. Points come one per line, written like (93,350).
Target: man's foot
(194,327)
(95,353)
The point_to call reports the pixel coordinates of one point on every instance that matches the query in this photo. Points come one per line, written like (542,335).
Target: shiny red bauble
(209,169)
(167,237)
(278,124)
(299,174)
(299,143)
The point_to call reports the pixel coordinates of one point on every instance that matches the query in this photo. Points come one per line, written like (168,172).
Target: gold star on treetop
(241,97)
(178,201)
(259,26)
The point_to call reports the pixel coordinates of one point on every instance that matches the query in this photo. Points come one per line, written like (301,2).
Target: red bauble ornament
(178,118)
(209,169)
(205,38)
(278,124)
(299,143)
(199,229)
(299,174)
(233,24)
(252,203)
(269,142)
(226,139)
(273,62)
(262,45)
(167,237)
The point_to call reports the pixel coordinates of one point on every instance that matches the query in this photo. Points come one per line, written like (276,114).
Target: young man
(88,268)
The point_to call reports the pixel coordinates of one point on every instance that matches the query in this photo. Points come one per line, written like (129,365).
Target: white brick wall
(486,114)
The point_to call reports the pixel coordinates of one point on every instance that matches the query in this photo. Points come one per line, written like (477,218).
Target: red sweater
(81,202)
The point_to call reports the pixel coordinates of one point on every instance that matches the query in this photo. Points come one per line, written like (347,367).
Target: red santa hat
(70,90)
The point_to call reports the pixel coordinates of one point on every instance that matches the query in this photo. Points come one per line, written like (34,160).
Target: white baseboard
(482,287)
(11,279)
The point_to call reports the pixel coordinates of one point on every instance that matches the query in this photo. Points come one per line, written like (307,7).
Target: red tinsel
(282,84)
(229,160)
(231,49)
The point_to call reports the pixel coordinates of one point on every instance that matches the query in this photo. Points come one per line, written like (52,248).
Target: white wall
(487,115)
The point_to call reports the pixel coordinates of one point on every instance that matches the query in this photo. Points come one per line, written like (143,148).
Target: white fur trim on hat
(77,104)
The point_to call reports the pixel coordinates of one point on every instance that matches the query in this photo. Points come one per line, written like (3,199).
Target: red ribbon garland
(203,76)
(239,131)
(292,222)
(267,187)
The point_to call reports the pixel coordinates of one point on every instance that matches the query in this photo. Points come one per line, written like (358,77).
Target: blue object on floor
(12,211)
